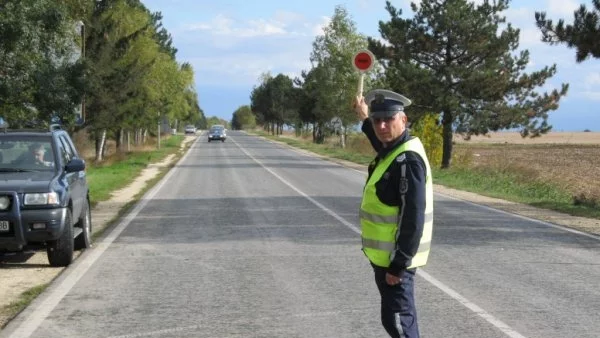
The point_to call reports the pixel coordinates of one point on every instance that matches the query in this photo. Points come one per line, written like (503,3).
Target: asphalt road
(250,239)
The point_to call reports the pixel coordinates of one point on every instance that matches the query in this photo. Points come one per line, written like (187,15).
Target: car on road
(190,129)
(44,194)
(217,133)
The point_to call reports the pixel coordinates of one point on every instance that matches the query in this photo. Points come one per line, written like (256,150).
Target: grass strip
(103,179)
(25,298)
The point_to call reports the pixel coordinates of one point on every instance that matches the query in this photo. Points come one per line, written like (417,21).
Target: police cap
(385,103)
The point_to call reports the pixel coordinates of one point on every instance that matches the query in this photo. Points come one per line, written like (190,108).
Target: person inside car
(34,157)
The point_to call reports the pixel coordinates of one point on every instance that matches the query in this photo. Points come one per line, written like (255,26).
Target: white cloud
(319,28)
(529,37)
(592,79)
(288,17)
(591,95)
(224,26)
(562,7)
(519,14)
(244,68)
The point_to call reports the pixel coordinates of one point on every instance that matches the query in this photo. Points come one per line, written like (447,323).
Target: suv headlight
(47,198)
(4,202)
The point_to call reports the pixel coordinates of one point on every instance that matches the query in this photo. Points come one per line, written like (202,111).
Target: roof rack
(55,126)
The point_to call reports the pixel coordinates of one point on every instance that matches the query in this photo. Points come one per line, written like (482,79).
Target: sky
(230,43)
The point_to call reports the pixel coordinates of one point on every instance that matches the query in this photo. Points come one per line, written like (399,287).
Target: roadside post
(363,62)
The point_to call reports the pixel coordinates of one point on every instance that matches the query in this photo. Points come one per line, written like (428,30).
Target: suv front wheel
(84,240)
(60,251)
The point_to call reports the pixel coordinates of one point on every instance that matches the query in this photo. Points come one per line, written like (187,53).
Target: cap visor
(383,114)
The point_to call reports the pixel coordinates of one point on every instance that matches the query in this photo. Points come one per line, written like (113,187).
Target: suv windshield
(25,153)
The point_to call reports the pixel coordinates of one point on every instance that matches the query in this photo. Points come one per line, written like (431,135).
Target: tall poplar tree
(335,79)
(461,60)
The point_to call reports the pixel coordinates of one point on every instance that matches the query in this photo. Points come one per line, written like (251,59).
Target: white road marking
(507,330)
(73,273)
(312,200)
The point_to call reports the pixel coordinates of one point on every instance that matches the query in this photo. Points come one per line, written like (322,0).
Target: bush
(429,131)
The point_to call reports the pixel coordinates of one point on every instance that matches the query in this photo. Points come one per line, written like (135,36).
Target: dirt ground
(21,272)
(552,137)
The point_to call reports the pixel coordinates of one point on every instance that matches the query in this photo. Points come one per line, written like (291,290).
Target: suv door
(75,180)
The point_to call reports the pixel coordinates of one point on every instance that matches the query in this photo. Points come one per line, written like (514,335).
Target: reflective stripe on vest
(380,222)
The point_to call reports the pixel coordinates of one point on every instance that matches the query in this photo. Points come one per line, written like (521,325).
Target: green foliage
(214,120)
(38,78)
(429,132)
(273,101)
(465,65)
(243,118)
(132,78)
(335,81)
(583,34)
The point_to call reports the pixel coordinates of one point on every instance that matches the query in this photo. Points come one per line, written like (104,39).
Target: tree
(453,58)
(334,79)
(215,120)
(38,75)
(243,118)
(134,82)
(583,34)
(272,102)
(162,36)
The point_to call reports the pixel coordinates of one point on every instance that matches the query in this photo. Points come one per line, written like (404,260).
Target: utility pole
(82,32)
(159,125)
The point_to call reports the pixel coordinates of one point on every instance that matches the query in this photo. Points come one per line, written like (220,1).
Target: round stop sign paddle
(363,60)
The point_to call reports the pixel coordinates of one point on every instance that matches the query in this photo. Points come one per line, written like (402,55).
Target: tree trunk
(128,141)
(119,139)
(447,136)
(320,135)
(343,138)
(100,146)
(158,136)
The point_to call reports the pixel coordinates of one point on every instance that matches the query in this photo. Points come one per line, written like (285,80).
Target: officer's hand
(361,108)
(391,279)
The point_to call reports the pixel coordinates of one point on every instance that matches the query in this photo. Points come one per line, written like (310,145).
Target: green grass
(104,179)
(510,186)
(513,187)
(25,298)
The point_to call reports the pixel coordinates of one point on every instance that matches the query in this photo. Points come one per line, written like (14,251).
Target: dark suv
(44,195)
(217,133)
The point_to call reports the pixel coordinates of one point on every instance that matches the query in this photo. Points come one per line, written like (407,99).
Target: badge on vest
(403,185)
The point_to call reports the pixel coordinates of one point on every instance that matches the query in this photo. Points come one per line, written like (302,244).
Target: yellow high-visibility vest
(380,222)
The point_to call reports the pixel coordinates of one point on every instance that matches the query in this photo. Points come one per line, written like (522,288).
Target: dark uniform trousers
(398,310)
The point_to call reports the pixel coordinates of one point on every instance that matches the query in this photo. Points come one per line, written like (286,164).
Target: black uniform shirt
(389,191)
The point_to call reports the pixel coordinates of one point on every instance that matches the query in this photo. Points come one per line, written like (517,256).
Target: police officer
(396,212)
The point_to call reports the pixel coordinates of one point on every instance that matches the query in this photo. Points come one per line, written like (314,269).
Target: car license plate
(4,226)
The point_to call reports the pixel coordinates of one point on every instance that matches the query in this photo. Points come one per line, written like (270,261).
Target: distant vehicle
(44,194)
(216,133)
(190,129)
